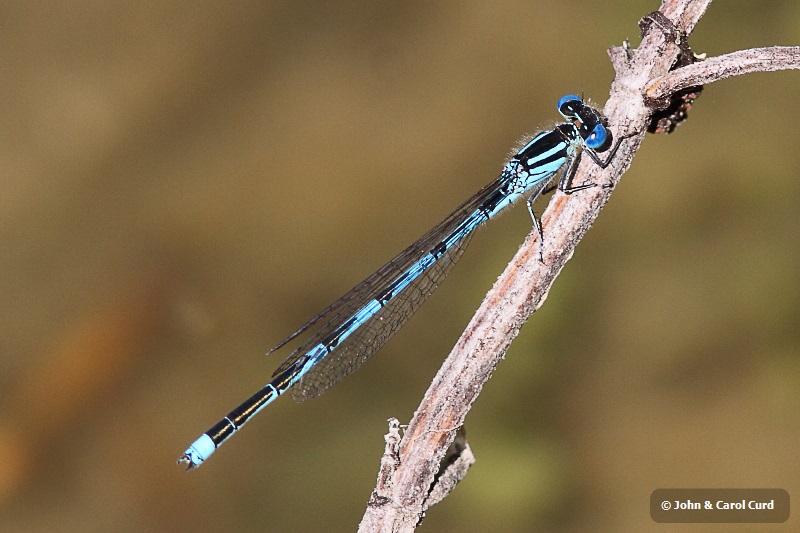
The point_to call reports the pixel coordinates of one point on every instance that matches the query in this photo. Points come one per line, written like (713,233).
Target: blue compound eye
(597,138)
(563,104)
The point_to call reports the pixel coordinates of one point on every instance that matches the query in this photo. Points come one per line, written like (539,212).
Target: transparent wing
(408,300)
(359,347)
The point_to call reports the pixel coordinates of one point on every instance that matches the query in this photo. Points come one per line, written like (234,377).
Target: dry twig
(642,75)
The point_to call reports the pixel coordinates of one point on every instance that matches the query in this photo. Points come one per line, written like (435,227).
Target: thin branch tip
(770,59)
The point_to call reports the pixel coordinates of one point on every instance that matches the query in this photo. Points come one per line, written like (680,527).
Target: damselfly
(345,335)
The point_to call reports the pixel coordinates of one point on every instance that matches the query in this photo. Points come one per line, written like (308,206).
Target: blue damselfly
(345,335)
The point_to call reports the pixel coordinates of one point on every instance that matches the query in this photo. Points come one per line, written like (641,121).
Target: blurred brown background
(183,185)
